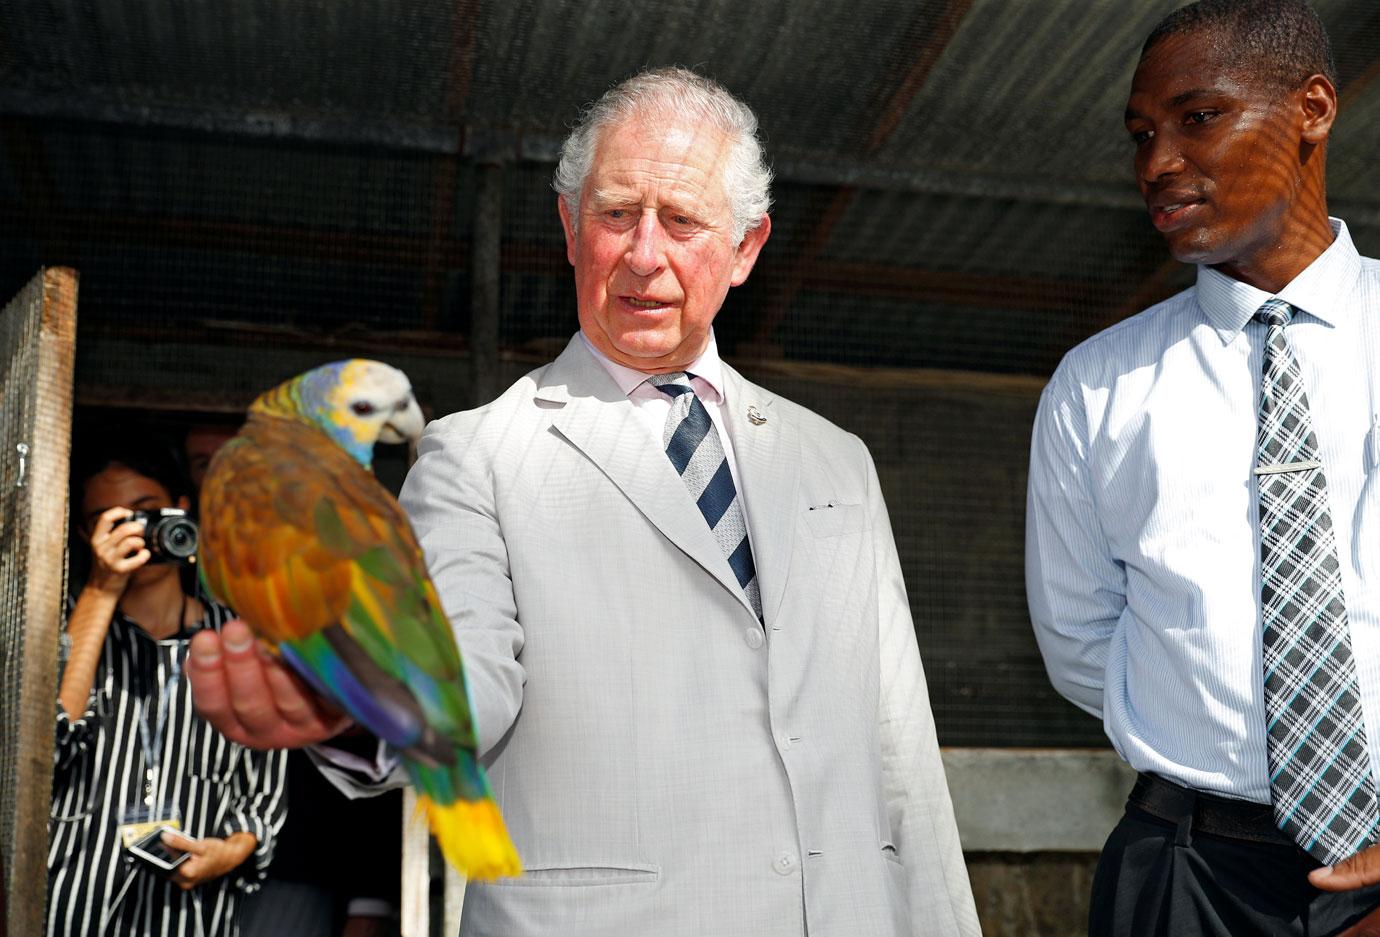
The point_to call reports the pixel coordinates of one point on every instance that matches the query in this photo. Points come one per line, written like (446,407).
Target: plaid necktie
(693,446)
(1320,781)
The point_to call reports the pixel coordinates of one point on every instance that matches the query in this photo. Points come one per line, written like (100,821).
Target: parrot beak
(405,425)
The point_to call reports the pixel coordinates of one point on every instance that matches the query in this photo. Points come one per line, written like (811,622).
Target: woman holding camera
(159,823)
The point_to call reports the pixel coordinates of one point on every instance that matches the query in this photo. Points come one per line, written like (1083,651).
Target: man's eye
(1200,117)
(1140,136)
(617,214)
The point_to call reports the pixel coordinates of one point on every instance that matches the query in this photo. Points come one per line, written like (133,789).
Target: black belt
(1206,813)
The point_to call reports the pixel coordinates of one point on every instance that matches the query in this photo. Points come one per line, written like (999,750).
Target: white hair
(673,92)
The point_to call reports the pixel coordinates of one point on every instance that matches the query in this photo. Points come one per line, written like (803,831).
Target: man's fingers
(1352,872)
(210,690)
(250,696)
(308,715)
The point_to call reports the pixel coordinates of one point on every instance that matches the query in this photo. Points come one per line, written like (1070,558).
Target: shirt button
(784,741)
(753,637)
(784,863)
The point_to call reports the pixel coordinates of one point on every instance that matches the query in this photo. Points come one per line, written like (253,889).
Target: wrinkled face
(1217,156)
(653,250)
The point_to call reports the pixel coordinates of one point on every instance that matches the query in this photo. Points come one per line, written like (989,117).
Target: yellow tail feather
(472,837)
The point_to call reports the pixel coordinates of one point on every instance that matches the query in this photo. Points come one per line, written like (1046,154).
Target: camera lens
(174,537)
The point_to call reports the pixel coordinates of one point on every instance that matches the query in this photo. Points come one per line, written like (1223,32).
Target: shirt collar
(708,368)
(1322,289)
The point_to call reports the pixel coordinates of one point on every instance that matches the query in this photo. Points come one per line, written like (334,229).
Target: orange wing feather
(265,553)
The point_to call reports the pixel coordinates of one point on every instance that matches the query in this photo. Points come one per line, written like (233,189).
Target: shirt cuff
(73,735)
(355,775)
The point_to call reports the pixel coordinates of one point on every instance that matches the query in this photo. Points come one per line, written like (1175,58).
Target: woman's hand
(211,858)
(117,550)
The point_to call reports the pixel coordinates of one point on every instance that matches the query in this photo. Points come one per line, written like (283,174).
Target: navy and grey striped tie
(1320,780)
(693,446)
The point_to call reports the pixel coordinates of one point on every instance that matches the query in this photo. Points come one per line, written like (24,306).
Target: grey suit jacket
(666,764)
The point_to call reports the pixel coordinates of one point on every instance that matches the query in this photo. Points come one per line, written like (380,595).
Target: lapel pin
(755,416)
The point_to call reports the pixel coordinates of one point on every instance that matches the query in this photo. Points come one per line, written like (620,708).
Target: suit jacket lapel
(768,457)
(598,419)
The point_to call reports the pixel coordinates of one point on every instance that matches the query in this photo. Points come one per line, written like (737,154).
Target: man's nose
(1160,156)
(646,253)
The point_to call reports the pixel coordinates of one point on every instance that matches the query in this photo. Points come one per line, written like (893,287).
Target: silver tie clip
(1280,468)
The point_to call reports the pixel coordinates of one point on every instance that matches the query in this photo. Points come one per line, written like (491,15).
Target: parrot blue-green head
(356,403)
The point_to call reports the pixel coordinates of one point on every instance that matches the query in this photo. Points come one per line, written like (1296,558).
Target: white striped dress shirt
(1142,539)
(100,768)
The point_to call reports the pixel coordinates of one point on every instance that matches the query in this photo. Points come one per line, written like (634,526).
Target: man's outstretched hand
(251,697)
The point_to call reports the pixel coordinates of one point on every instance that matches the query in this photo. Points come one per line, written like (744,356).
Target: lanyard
(152,737)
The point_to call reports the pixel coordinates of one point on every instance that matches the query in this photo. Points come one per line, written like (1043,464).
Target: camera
(169,534)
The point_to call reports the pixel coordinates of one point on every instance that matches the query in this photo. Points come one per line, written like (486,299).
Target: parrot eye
(362,408)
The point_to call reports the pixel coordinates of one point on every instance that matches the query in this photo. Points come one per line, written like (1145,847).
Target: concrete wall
(1032,822)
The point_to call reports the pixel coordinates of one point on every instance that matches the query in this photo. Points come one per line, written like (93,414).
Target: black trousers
(1162,878)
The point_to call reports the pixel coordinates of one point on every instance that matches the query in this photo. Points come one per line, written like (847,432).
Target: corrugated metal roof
(914,141)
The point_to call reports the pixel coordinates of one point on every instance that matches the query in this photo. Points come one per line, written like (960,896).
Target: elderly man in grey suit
(683,620)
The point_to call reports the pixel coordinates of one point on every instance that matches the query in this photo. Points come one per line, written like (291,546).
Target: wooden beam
(229,381)
(443,201)
(486,268)
(71,228)
(1356,87)
(959,289)
(407,251)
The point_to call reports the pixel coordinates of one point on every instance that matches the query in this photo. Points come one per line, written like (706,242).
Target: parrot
(314,554)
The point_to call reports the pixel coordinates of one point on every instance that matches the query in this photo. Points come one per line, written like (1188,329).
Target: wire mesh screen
(37,329)
(251,190)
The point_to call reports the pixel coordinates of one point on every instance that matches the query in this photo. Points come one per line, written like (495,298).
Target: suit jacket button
(784,863)
(753,637)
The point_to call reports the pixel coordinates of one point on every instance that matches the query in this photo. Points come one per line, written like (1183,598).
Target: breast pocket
(834,519)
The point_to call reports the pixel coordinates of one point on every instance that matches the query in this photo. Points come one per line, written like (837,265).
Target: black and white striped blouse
(100,769)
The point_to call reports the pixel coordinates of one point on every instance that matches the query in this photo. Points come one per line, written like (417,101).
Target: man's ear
(748,250)
(566,223)
(1318,97)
